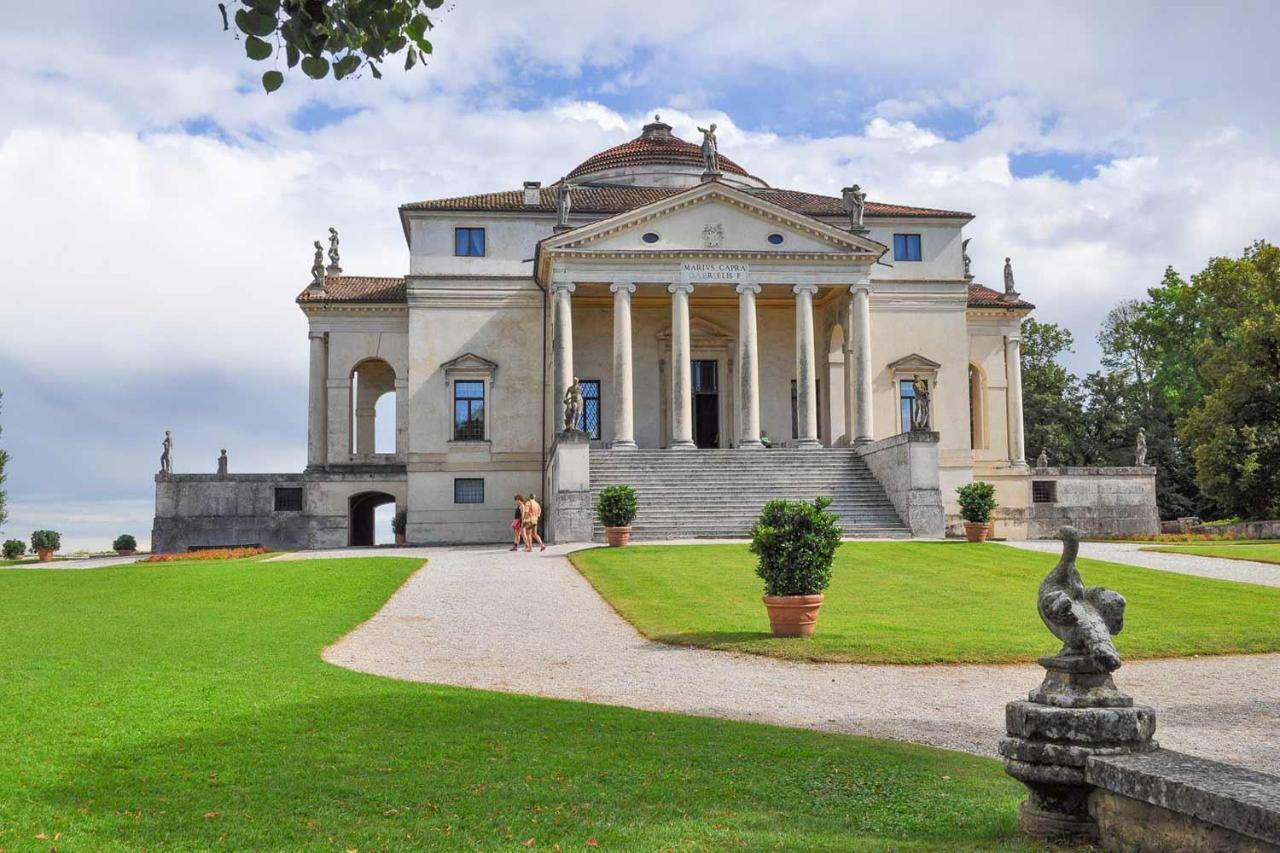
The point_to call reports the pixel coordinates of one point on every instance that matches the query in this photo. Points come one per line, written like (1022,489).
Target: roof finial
(657,117)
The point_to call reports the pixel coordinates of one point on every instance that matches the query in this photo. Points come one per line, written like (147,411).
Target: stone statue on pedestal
(166,456)
(964,251)
(317,268)
(1042,461)
(710,149)
(222,462)
(564,202)
(334,267)
(919,405)
(1140,451)
(855,205)
(572,406)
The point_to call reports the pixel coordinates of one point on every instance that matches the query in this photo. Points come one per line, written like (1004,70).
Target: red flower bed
(210,554)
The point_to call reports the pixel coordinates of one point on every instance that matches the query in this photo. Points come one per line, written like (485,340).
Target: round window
(650,237)
(775,239)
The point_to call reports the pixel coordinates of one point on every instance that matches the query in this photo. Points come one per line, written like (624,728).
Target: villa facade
(700,311)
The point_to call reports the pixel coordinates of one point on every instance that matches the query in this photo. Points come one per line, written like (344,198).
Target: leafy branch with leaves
(323,36)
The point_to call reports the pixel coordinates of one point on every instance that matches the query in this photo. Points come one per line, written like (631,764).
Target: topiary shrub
(46,540)
(399,522)
(617,507)
(124,542)
(795,543)
(14,548)
(977,502)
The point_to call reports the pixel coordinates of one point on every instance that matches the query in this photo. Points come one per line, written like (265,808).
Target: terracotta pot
(978,531)
(617,536)
(793,615)
(126,552)
(45,555)
(399,538)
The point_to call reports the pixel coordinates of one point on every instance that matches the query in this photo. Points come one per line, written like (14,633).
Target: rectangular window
(468,410)
(589,422)
(468,242)
(288,499)
(907,398)
(1044,491)
(906,247)
(468,490)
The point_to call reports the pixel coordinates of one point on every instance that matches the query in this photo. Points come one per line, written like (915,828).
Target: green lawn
(185,706)
(921,602)
(1264,553)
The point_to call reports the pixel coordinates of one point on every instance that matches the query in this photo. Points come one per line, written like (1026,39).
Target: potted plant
(125,545)
(617,509)
(45,542)
(14,548)
(398,524)
(977,502)
(795,543)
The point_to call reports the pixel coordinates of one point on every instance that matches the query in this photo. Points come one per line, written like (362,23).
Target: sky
(157,209)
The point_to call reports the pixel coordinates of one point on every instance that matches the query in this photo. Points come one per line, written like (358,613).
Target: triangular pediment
(914,362)
(469,361)
(713,218)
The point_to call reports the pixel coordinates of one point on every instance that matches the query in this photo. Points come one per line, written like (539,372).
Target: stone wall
(1243,530)
(1099,502)
(907,467)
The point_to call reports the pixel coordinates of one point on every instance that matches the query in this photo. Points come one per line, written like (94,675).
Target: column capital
(317,336)
(748,287)
(563,287)
(679,287)
(804,288)
(622,286)
(863,286)
(1013,339)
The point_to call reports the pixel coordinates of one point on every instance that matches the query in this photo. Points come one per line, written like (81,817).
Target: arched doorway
(360,525)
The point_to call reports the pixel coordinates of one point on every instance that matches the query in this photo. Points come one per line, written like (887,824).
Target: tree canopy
(323,36)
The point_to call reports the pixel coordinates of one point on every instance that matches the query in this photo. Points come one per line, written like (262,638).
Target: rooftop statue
(1008,276)
(317,268)
(166,455)
(222,462)
(964,251)
(710,149)
(1084,619)
(855,204)
(564,202)
(1140,452)
(334,267)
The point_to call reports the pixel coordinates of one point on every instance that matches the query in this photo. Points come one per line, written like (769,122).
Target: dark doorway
(360,525)
(706,403)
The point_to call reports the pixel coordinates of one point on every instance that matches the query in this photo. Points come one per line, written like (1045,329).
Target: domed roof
(655,146)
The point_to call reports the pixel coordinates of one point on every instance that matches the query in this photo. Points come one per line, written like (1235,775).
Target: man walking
(532,514)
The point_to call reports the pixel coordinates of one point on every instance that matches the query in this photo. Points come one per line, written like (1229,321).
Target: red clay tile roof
(610,199)
(355,288)
(984,297)
(654,146)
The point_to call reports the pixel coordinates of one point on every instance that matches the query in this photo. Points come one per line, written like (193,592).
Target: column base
(751,444)
(685,444)
(863,439)
(808,442)
(622,444)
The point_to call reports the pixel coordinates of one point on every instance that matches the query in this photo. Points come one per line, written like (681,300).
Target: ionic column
(863,429)
(1013,398)
(748,367)
(806,368)
(849,373)
(317,404)
(681,368)
(561,344)
(623,407)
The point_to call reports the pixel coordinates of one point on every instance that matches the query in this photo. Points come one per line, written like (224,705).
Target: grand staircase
(719,493)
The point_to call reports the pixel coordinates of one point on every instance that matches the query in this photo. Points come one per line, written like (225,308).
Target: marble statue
(317,267)
(1042,461)
(572,406)
(1008,276)
(710,149)
(1084,619)
(919,404)
(564,202)
(334,267)
(1140,452)
(222,462)
(964,251)
(855,204)
(166,456)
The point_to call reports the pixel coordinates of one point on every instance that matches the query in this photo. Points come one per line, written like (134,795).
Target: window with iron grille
(1044,491)
(468,490)
(468,410)
(468,242)
(589,421)
(288,499)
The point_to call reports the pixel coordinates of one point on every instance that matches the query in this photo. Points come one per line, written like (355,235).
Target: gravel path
(86,563)
(1245,571)
(529,623)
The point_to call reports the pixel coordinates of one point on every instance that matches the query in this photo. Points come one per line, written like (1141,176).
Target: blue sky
(160,209)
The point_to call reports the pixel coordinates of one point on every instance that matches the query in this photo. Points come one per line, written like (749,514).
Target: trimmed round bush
(795,543)
(46,540)
(617,507)
(977,502)
(125,542)
(14,548)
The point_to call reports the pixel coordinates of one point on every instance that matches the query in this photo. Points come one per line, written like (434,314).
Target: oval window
(775,239)
(650,237)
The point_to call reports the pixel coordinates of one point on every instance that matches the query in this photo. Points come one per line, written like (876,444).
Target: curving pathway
(1244,571)
(529,623)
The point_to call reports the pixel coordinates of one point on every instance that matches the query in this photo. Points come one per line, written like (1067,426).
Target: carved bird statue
(1084,619)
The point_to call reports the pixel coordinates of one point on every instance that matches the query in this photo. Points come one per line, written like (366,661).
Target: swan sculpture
(1084,619)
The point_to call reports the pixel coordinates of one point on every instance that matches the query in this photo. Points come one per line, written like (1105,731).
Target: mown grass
(185,706)
(1261,553)
(921,602)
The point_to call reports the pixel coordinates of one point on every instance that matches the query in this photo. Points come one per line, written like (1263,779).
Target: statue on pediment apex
(855,204)
(710,149)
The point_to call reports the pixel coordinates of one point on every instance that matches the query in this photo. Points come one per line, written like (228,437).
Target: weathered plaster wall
(1098,502)
(907,467)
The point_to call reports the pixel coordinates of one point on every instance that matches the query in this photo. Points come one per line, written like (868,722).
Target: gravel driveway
(529,623)
(1245,571)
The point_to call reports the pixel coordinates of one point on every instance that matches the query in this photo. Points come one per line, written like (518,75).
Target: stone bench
(1168,801)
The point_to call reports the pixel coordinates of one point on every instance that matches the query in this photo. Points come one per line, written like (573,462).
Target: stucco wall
(1099,502)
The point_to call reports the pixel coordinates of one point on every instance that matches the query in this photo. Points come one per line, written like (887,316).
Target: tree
(341,36)
(1051,398)
(4,460)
